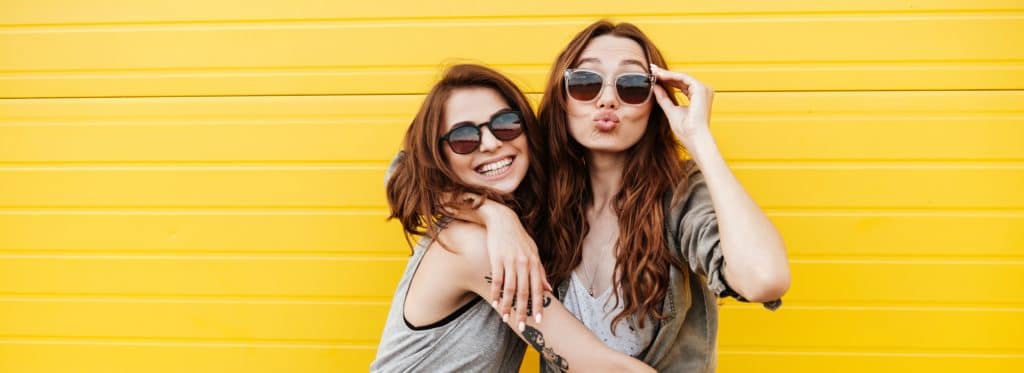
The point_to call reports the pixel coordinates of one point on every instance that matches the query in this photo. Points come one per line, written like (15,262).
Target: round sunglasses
(465,137)
(586,85)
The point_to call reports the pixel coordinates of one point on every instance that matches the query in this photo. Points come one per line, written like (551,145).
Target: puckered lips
(606,121)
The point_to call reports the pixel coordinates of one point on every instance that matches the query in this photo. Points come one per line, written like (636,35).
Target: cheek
(522,145)
(638,117)
(460,164)
(575,110)
(577,114)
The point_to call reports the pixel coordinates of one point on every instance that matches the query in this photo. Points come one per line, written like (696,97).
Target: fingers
(662,97)
(497,280)
(522,290)
(506,297)
(674,79)
(535,291)
(675,76)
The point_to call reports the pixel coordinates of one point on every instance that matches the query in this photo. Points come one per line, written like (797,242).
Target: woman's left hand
(687,121)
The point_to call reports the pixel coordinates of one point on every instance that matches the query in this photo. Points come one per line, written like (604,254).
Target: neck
(606,177)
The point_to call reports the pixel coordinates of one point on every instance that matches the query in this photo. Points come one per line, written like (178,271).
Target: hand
(687,121)
(516,271)
(517,274)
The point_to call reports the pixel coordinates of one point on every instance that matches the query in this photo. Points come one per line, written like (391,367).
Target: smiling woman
(469,137)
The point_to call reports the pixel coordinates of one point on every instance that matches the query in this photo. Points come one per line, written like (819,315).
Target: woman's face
(496,165)
(606,124)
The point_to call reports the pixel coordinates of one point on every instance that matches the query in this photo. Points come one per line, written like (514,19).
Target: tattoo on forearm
(536,339)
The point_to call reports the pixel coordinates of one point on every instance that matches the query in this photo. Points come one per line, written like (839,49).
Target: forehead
(475,104)
(612,51)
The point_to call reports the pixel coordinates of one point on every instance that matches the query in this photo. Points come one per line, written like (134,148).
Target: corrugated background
(196,185)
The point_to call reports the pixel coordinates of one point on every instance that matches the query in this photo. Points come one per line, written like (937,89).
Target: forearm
(564,342)
(755,256)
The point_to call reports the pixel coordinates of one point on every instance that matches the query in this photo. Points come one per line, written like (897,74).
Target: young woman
(475,133)
(642,242)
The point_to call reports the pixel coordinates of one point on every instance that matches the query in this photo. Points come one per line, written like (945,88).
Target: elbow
(769,287)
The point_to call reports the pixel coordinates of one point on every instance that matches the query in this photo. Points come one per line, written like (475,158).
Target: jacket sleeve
(698,238)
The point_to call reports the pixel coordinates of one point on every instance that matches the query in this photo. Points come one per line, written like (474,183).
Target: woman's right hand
(517,273)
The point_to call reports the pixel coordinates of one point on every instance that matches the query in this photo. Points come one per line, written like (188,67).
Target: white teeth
(494,168)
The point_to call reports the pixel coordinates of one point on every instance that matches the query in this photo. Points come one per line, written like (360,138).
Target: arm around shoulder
(560,338)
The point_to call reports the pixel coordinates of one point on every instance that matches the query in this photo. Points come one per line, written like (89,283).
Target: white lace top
(596,313)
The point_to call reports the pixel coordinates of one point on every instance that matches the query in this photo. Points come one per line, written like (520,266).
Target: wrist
(701,145)
(492,212)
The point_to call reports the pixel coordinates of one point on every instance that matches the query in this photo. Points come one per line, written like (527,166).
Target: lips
(606,122)
(497,167)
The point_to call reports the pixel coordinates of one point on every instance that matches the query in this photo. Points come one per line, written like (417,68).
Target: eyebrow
(624,62)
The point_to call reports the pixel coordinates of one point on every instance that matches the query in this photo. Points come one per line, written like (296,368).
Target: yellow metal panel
(805,186)
(807,233)
(749,126)
(224,319)
(204,276)
(898,233)
(28,355)
(145,230)
(872,328)
(853,362)
(25,12)
(865,281)
(194,231)
(748,52)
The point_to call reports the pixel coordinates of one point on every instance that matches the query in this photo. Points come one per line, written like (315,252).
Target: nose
(488,143)
(608,98)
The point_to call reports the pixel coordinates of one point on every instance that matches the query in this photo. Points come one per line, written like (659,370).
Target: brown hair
(421,175)
(653,167)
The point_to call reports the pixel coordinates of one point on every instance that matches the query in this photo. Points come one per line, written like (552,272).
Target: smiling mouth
(495,168)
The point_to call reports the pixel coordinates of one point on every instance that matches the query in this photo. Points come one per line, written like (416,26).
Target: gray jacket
(686,341)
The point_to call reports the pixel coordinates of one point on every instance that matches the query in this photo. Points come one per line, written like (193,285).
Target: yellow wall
(196,185)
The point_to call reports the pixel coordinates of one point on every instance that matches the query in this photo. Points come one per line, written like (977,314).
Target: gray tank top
(473,339)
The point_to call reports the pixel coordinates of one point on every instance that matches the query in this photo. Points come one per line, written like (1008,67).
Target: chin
(607,147)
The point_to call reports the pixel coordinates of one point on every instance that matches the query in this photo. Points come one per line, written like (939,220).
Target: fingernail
(494,304)
(504,318)
(522,326)
(538,318)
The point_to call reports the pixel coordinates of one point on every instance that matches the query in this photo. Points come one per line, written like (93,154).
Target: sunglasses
(586,85)
(465,137)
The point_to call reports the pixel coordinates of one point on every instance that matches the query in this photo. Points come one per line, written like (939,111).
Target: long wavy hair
(653,167)
(421,177)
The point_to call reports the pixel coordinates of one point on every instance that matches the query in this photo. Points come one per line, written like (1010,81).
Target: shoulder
(465,243)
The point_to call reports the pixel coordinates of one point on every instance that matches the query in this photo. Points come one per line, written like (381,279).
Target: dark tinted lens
(633,88)
(584,85)
(464,140)
(507,126)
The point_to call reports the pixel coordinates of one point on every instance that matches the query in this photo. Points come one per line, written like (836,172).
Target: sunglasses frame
(604,83)
(480,131)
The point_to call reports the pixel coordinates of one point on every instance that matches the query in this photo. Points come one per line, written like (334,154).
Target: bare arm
(517,273)
(561,339)
(755,256)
